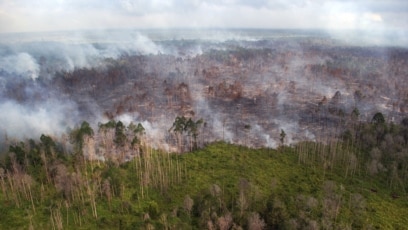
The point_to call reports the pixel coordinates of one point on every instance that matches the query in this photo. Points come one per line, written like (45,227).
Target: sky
(57,15)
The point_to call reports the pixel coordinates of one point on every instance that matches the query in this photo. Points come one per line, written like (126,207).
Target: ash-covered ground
(247,85)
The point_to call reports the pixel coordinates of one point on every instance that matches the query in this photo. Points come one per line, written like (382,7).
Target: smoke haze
(271,80)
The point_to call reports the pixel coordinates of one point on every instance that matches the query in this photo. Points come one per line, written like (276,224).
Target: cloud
(382,6)
(24,15)
(147,7)
(373,17)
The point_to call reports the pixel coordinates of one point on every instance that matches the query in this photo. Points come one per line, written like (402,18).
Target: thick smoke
(22,64)
(57,53)
(50,117)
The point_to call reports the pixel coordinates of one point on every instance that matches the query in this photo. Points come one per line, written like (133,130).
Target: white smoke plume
(22,64)
(49,118)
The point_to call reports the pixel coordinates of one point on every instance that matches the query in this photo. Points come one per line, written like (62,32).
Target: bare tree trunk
(13,191)
(31,198)
(3,185)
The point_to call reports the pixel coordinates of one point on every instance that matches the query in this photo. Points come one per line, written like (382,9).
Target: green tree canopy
(378,118)
(120,136)
(77,135)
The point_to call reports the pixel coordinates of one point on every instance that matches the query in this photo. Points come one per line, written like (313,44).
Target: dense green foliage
(359,182)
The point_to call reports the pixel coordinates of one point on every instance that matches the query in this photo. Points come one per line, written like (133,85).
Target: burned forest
(246,90)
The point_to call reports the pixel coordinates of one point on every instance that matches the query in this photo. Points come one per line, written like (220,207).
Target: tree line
(56,184)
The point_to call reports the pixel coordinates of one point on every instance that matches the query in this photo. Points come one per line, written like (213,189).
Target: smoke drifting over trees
(246,85)
(90,122)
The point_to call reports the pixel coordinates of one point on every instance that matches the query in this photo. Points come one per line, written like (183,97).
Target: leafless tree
(225,222)
(188,204)
(255,222)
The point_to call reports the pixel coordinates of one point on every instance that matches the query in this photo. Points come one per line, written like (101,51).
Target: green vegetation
(183,125)
(359,182)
